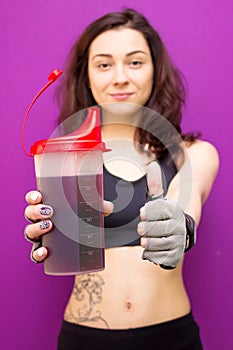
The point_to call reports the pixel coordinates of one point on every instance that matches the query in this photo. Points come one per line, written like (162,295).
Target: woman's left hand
(162,226)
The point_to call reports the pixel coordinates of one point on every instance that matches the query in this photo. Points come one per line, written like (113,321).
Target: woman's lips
(120,96)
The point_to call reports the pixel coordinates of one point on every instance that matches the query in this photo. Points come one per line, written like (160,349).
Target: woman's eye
(135,63)
(103,65)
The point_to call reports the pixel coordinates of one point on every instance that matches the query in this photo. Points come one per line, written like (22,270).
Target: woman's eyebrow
(136,51)
(127,55)
(101,55)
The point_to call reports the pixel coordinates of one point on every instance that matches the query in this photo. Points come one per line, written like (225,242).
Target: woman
(139,300)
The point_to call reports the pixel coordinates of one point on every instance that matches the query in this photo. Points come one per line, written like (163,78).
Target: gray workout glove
(163,224)
(165,229)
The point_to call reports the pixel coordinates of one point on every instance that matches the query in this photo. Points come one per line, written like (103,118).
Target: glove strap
(190,237)
(190,232)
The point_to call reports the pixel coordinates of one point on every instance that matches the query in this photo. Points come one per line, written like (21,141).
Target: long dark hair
(168,92)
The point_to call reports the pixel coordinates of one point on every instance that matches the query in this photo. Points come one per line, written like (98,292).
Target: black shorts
(178,334)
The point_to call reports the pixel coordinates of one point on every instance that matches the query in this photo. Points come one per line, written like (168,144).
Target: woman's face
(120,67)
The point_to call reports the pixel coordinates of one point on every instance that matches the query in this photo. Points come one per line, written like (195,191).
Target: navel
(129,305)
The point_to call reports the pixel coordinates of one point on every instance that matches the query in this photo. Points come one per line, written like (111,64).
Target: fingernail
(40,252)
(44,224)
(140,228)
(158,195)
(111,206)
(34,196)
(45,211)
(143,213)
(144,242)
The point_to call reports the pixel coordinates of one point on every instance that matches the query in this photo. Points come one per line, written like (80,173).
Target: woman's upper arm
(204,162)
(193,183)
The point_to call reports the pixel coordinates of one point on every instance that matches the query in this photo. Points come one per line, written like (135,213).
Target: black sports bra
(128,197)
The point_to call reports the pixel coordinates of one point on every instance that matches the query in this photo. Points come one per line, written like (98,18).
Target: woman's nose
(120,76)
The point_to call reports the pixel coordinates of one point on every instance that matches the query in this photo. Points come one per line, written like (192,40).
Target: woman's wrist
(190,232)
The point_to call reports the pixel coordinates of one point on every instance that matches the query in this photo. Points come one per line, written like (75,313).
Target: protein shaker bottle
(69,173)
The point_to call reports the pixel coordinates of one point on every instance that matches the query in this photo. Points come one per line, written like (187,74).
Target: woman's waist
(129,311)
(130,292)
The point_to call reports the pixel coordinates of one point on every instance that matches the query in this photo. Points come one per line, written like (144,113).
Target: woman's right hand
(39,215)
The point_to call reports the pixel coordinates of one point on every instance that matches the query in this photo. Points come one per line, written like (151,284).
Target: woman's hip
(181,333)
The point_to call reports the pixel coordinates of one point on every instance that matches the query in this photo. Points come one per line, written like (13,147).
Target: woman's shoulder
(199,168)
(204,160)
(203,151)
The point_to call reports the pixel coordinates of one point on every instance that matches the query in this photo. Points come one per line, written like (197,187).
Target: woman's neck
(119,121)
(118,131)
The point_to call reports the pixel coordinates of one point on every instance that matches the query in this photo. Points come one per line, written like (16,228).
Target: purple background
(35,38)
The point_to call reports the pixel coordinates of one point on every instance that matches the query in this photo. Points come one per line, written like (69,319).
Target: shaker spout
(91,127)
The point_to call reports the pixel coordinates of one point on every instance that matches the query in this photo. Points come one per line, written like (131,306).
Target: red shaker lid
(87,137)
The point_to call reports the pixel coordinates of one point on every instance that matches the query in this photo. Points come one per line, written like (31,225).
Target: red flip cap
(86,138)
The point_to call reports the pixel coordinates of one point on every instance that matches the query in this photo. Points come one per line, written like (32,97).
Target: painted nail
(34,196)
(40,252)
(44,224)
(45,211)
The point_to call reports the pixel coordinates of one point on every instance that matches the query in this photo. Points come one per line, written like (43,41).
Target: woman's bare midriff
(128,293)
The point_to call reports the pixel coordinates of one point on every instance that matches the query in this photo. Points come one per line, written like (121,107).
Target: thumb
(107,207)
(154,180)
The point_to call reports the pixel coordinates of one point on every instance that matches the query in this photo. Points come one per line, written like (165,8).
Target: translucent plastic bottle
(69,173)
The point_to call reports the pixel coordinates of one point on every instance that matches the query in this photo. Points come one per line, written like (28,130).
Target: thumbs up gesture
(162,226)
